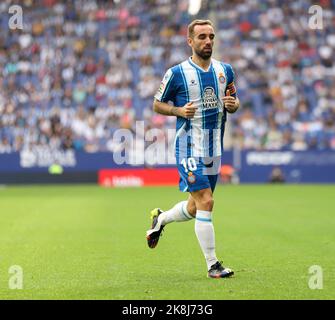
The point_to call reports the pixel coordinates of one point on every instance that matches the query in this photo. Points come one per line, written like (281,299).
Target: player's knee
(192,209)
(207,203)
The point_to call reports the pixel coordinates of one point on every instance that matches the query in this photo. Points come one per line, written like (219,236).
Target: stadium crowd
(79,70)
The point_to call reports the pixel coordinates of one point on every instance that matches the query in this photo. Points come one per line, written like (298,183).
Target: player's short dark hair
(190,29)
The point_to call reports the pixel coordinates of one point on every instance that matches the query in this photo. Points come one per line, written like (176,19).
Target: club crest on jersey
(209,99)
(222,78)
(191,177)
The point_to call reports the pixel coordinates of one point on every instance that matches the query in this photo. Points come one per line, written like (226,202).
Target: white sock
(205,233)
(178,213)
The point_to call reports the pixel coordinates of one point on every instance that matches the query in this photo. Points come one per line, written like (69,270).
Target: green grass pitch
(88,242)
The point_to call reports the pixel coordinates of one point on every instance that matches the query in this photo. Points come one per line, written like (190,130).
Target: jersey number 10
(189,165)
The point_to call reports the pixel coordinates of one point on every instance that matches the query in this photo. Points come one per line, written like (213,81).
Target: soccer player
(202,91)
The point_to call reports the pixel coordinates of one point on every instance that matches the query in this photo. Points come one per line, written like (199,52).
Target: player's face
(203,41)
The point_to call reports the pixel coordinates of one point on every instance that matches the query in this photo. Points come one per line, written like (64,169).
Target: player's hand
(188,110)
(230,103)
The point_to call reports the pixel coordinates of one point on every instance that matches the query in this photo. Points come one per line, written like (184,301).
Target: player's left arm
(231,101)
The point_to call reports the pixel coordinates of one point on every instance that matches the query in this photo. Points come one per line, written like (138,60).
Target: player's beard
(204,54)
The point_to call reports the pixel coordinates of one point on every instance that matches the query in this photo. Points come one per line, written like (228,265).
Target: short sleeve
(231,80)
(167,88)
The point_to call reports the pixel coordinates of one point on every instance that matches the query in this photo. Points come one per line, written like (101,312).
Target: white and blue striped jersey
(201,136)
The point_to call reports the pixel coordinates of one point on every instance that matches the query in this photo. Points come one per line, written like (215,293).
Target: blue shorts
(198,173)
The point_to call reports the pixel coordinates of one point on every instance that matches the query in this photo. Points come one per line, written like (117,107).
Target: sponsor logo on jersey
(209,99)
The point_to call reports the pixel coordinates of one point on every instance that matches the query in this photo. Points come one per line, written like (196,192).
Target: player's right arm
(187,111)
(167,92)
